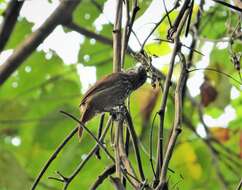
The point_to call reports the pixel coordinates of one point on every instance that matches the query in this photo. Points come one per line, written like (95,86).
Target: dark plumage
(110,92)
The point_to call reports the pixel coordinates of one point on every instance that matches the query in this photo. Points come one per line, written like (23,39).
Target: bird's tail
(86,114)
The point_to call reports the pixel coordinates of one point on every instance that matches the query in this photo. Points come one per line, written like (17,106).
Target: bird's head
(138,75)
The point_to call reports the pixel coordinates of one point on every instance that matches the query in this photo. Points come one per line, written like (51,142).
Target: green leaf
(9,169)
(213,23)
(86,13)
(21,30)
(158,49)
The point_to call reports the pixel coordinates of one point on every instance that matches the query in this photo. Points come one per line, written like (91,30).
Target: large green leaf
(21,30)
(87,12)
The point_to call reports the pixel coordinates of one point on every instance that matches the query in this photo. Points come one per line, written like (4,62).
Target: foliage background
(30,100)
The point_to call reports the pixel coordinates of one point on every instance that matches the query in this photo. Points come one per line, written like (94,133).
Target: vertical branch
(124,159)
(135,143)
(134,12)
(128,27)
(117,183)
(118,132)
(117,64)
(177,124)
(10,18)
(167,84)
(162,112)
(193,45)
(125,32)
(117,37)
(127,137)
(100,128)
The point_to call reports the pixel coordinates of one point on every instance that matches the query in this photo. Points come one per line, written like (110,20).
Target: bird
(109,93)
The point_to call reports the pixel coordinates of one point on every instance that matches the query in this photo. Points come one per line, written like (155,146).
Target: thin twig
(157,25)
(94,149)
(177,123)
(168,17)
(193,44)
(189,18)
(135,143)
(151,145)
(228,5)
(177,46)
(124,172)
(90,133)
(44,185)
(217,71)
(124,159)
(239,185)
(107,172)
(118,131)
(128,28)
(100,128)
(73,26)
(127,140)
(53,156)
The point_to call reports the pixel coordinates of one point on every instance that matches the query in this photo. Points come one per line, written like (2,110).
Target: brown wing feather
(103,83)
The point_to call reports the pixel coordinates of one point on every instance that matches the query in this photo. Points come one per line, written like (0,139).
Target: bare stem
(239,185)
(53,156)
(73,26)
(125,33)
(117,37)
(160,168)
(107,172)
(135,143)
(158,24)
(90,154)
(118,131)
(90,133)
(10,18)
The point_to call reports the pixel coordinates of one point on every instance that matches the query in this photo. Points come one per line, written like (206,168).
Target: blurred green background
(31,125)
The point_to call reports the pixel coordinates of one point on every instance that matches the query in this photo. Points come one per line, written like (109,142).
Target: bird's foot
(118,112)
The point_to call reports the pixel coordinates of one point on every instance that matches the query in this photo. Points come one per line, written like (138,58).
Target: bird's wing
(105,82)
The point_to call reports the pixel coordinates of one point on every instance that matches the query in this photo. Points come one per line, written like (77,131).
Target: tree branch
(117,37)
(107,172)
(124,159)
(135,143)
(161,169)
(177,124)
(239,185)
(158,24)
(167,85)
(228,5)
(90,154)
(53,156)
(10,18)
(89,133)
(73,26)
(125,34)
(60,15)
